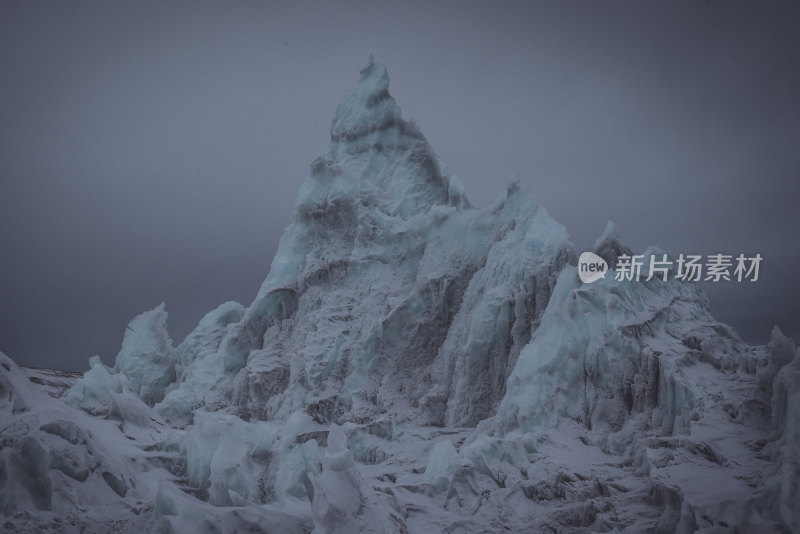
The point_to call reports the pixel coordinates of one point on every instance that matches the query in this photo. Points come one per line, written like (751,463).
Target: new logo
(591,267)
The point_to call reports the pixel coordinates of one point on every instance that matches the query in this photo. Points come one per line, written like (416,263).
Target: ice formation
(414,364)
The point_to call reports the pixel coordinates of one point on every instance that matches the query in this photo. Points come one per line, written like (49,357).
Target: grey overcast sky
(151,151)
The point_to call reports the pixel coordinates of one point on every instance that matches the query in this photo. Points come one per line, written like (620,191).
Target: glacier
(412,363)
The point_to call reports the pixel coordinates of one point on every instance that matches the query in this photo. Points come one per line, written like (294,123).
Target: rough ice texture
(147,357)
(414,364)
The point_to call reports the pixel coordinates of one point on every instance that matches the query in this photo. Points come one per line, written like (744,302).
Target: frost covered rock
(199,366)
(785,387)
(389,293)
(341,502)
(55,458)
(609,246)
(783,481)
(500,309)
(414,364)
(104,392)
(337,493)
(227,459)
(147,357)
(611,349)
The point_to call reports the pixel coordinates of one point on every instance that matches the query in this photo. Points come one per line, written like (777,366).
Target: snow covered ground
(413,364)
(55,383)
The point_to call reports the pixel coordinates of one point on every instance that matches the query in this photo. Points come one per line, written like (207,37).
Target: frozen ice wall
(386,285)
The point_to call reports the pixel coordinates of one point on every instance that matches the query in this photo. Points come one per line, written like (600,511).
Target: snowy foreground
(413,364)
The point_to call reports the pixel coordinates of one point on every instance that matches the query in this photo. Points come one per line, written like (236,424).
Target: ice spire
(609,246)
(376,156)
(368,107)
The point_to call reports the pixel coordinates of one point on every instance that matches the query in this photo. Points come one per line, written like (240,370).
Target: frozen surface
(413,364)
(147,358)
(55,383)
